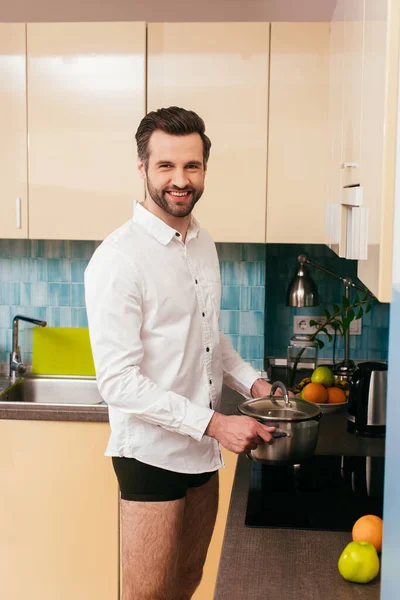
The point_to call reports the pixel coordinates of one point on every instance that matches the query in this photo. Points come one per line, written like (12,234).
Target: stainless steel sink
(53,390)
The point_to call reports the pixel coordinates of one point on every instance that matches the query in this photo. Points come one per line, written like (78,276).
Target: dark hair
(172,120)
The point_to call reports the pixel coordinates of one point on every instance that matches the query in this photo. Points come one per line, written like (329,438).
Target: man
(153,294)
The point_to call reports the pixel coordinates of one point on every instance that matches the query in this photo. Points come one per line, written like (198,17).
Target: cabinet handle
(350,165)
(18,213)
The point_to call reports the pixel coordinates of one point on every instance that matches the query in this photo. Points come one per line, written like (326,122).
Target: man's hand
(238,434)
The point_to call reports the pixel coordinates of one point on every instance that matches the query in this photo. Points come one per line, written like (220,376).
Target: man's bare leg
(198,525)
(151,536)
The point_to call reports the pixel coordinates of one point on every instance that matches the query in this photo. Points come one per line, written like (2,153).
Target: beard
(175,208)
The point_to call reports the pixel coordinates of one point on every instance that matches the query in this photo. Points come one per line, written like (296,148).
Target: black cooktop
(327,493)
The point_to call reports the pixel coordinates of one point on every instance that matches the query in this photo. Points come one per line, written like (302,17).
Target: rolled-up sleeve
(238,374)
(114,303)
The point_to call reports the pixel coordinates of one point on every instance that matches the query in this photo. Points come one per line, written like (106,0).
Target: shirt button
(195,281)
(207,349)
(203,314)
(178,234)
(210,382)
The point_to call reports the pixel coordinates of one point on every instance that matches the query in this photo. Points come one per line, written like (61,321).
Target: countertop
(267,564)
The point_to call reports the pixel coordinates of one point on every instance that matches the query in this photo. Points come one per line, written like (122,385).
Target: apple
(323,375)
(359,562)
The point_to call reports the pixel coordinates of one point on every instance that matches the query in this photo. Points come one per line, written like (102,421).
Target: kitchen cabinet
(86,96)
(378,156)
(13,144)
(335,218)
(58,512)
(353,69)
(364,53)
(220,70)
(226,477)
(298,132)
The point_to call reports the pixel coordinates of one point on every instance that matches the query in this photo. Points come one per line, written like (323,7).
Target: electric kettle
(367,400)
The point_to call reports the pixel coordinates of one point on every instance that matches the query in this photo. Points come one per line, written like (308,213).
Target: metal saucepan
(296,422)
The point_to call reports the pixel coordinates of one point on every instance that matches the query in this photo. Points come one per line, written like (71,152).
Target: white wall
(391,515)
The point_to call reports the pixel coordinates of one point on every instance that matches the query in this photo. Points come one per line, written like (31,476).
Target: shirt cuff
(196,421)
(241,379)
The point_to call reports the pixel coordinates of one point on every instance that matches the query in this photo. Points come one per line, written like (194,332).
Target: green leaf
(314,323)
(320,343)
(360,313)
(356,300)
(336,308)
(345,302)
(324,329)
(350,315)
(368,308)
(330,338)
(327,313)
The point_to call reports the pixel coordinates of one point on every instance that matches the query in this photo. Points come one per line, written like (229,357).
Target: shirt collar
(159,229)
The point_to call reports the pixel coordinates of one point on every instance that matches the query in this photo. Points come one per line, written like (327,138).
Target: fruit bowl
(330,408)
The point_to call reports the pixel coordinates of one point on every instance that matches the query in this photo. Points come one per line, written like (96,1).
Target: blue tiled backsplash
(44,279)
(281,264)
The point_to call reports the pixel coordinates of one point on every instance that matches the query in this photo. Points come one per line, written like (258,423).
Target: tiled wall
(44,279)
(281,263)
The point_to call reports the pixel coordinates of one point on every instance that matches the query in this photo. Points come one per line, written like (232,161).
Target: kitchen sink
(53,390)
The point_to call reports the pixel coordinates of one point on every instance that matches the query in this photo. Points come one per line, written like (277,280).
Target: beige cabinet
(205,591)
(13,136)
(220,70)
(335,231)
(379,119)
(86,96)
(58,512)
(298,133)
(354,17)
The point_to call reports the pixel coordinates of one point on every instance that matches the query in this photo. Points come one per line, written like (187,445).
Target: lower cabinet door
(58,512)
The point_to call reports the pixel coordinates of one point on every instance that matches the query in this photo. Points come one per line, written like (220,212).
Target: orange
(369,528)
(336,395)
(315,392)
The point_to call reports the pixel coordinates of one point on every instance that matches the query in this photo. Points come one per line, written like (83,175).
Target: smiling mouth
(179,195)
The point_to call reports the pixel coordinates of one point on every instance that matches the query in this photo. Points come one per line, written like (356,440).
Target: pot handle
(278,433)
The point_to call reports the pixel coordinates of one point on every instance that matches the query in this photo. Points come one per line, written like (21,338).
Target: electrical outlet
(301,324)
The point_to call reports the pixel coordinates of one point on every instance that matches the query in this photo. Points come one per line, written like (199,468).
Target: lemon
(323,375)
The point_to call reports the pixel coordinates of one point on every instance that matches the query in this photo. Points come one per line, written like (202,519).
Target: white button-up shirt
(153,306)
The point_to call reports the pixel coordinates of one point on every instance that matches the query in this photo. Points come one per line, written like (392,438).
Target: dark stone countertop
(267,564)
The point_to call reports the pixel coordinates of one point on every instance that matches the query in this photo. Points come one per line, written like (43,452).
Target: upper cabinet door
(13,134)
(335,213)
(354,15)
(220,70)
(298,132)
(379,130)
(86,96)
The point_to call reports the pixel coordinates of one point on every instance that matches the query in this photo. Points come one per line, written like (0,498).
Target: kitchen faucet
(17,367)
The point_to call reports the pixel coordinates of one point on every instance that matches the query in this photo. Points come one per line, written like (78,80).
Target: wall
(281,264)
(161,11)
(44,279)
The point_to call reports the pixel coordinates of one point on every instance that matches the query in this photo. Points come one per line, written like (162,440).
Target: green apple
(359,562)
(322,375)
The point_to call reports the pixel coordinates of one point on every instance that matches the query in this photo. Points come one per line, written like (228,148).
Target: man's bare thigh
(151,536)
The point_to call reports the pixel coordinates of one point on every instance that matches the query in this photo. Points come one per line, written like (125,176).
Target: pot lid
(274,408)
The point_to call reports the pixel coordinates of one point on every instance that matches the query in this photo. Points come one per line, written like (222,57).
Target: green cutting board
(62,351)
